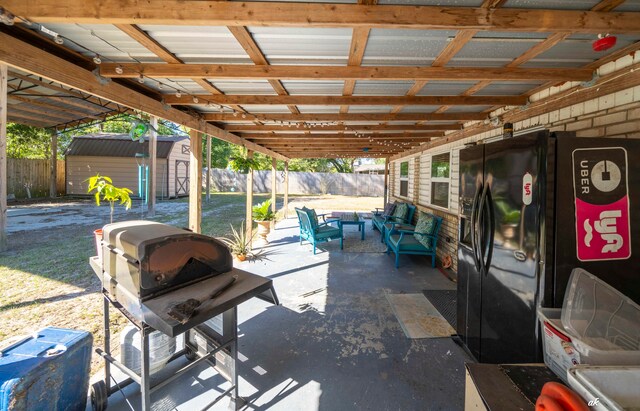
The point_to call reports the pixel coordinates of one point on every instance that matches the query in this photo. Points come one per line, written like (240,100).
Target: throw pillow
(425,225)
(389,208)
(401,211)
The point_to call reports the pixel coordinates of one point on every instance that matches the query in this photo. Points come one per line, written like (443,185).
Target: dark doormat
(445,303)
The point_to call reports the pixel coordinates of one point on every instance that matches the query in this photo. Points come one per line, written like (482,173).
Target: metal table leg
(145,389)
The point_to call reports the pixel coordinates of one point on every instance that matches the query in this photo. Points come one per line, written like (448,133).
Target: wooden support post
(153,167)
(386,181)
(286,189)
(195,181)
(249,220)
(208,182)
(3,156)
(274,187)
(416,181)
(53,174)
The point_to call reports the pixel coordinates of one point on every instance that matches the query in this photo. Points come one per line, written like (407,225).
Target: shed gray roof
(118,145)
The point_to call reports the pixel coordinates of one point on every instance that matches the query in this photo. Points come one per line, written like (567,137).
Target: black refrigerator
(532,208)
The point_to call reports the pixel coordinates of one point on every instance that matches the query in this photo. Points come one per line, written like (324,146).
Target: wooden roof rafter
(284,72)
(28,58)
(287,14)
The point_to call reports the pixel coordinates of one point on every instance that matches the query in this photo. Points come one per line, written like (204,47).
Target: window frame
(446,180)
(404,179)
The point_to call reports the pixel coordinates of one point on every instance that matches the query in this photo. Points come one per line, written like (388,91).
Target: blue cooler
(47,371)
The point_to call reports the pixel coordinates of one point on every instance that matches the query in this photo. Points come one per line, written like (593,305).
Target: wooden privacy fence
(299,182)
(30,177)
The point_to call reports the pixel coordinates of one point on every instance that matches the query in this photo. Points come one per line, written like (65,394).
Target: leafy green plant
(243,165)
(239,244)
(262,212)
(104,190)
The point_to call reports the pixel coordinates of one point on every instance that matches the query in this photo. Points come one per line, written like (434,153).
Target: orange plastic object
(558,397)
(546,403)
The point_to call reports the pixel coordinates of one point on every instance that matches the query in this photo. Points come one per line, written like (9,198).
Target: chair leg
(433,261)
(341,240)
(314,248)
(397,260)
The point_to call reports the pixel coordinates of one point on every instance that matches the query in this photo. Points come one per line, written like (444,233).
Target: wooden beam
(274,188)
(195,181)
(53,167)
(346,100)
(293,154)
(144,39)
(286,189)
(348,117)
(217,13)
(344,141)
(3,156)
(339,136)
(25,57)
(359,39)
(153,167)
(247,42)
(607,5)
(248,214)
(350,129)
(159,50)
(386,181)
(609,84)
(208,182)
(246,72)
(548,43)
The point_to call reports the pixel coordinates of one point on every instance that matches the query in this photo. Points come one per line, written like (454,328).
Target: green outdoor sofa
(398,213)
(420,239)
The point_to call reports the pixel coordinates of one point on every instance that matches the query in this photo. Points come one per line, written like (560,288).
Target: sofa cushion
(426,225)
(409,243)
(327,232)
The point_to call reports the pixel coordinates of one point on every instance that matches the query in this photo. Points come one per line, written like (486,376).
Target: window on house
(440,180)
(404,179)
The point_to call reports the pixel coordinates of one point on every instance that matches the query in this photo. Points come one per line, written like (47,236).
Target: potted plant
(239,244)
(104,190)
(263,215)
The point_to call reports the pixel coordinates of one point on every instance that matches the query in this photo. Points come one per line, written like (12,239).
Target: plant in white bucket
(103,190)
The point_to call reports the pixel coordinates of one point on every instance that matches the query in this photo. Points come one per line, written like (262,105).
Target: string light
(97,59)
(58,40)
(141,79)
(196,100)
(119,70)
(178,94)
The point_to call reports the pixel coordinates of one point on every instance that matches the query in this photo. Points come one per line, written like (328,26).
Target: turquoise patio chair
(314,232)
(420,239)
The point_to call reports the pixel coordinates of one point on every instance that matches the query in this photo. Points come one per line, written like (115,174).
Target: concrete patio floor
(333,343)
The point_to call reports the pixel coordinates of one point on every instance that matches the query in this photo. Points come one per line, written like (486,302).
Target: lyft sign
(601,198)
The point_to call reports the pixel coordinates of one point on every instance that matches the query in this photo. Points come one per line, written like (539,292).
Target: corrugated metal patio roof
(118,145)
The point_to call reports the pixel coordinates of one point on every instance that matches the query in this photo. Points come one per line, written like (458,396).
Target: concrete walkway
(334,342)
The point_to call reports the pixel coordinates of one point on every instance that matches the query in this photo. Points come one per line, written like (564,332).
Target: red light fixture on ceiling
(604,42)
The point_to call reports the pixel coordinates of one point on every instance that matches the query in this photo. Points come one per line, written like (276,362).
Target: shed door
(182,178)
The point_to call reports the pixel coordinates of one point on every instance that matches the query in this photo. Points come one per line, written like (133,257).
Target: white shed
(122,159)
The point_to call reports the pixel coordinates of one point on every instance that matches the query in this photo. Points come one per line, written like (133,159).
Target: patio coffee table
(350,219)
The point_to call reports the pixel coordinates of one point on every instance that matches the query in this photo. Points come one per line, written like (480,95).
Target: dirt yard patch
(46,278)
